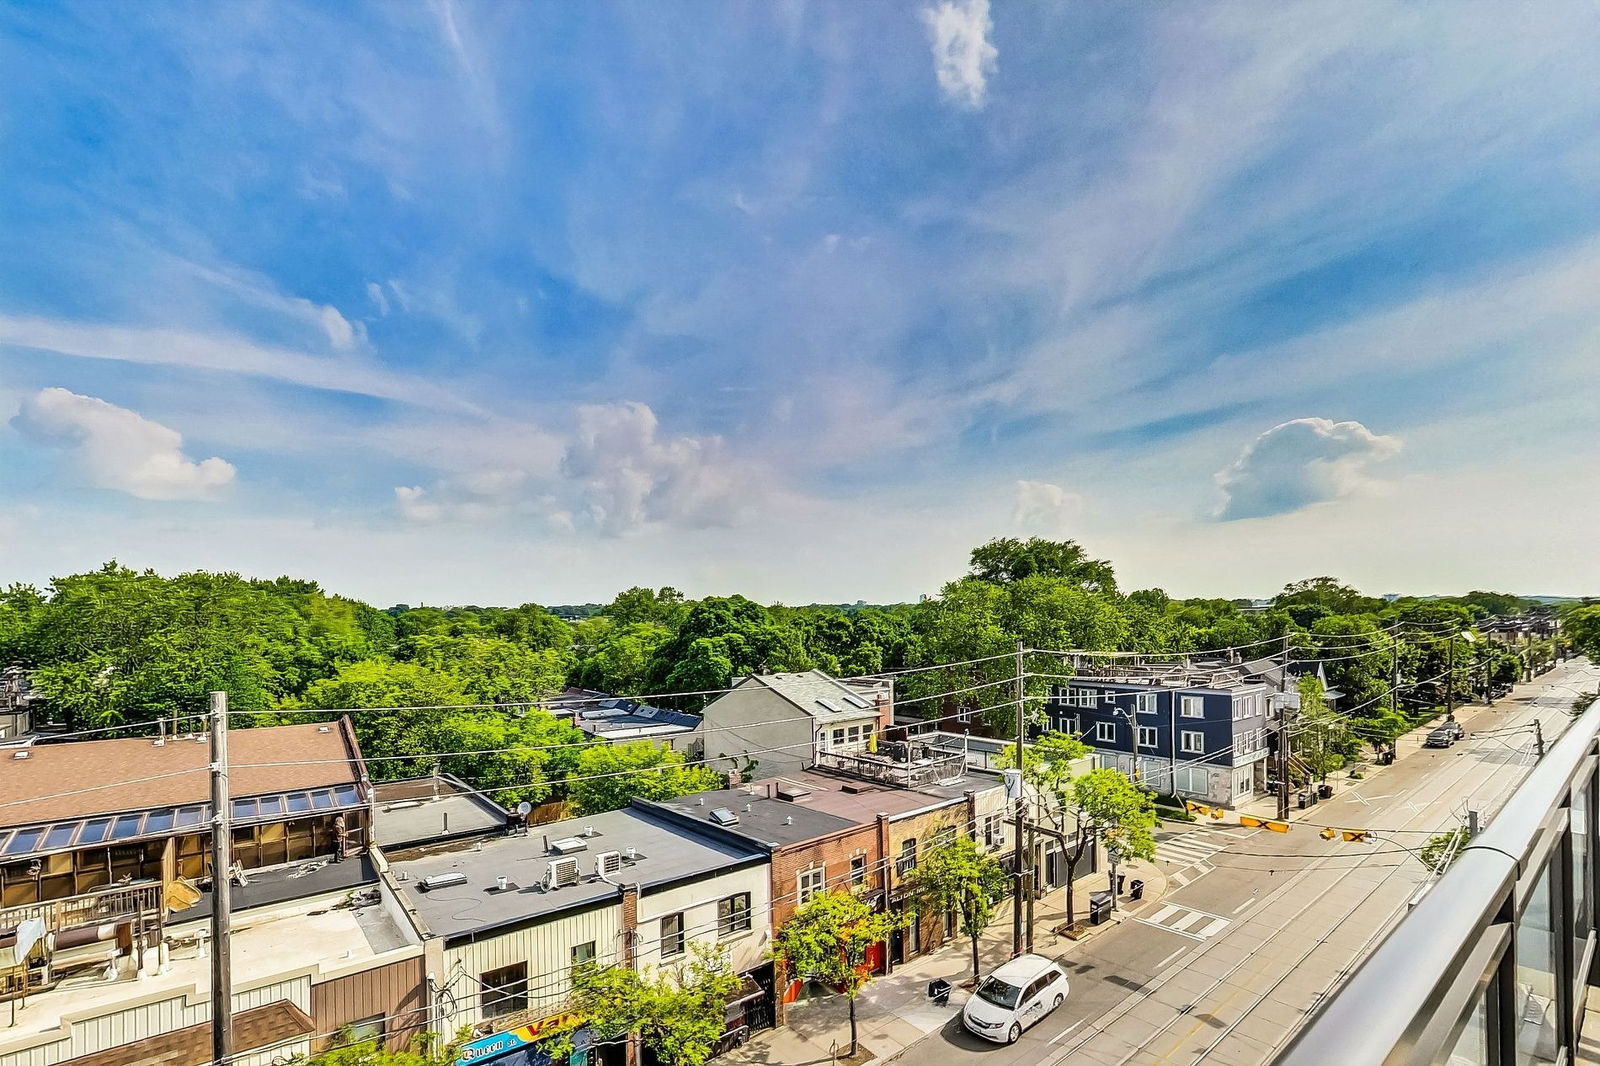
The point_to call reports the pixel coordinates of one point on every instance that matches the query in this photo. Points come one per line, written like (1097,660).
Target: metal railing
(925,769)
(1492,965)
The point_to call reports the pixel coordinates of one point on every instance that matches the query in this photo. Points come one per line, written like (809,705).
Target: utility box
(1099,907)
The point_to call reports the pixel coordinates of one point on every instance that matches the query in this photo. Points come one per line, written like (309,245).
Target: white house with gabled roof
(783,721)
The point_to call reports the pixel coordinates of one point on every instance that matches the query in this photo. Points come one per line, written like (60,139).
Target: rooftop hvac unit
(607,863)
(560,873)
(568,845)
(428,884)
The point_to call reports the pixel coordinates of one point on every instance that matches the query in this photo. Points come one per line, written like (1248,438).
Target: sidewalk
(893,1012)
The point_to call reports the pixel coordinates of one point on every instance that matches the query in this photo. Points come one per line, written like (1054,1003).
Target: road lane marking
(1243,905)
(1067,1031)
(1162,965)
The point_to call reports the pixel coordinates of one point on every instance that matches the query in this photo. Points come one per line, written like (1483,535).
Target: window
(1192,706)
(1145,702)
(1193,781)
(1082,697)
(943,837)
(993,830)
(505,991)
(582,953)
(838,738)
(908,857)
(1193,742)
(812,882)
(1147,736)
(733,914)
(858,870)
(672,935)
(365,1031)
(1106,731)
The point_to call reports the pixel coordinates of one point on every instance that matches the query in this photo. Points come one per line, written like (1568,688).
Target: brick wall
(833,853)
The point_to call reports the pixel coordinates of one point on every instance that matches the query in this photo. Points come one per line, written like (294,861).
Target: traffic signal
(1329,833)
(1197,808)
(1358,835)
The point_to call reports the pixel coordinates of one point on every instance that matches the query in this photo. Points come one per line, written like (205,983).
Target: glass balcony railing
(1491,966)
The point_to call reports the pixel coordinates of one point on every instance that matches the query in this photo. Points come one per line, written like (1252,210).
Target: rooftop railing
(1491,966)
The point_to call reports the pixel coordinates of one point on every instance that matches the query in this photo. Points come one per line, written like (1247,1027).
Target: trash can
(1306,799)
(1325,792)
(939,992)
(1136,889)
(1099,907)
(1122,880)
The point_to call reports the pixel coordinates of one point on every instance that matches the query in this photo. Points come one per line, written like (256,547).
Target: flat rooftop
(266,943)
(417,810)
(862,801)
(664,852)
(761,818)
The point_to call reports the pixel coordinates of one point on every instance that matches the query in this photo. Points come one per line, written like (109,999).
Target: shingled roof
(74,780)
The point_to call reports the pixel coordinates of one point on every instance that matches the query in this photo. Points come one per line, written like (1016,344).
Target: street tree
(677,1012)
(828,939)
(1323,738)
(961,878)
(425,1049)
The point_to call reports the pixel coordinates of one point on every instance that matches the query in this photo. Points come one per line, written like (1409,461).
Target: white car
(1014,997)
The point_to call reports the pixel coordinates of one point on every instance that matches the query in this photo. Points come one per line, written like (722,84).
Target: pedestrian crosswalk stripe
(1190,849)
(1185,921)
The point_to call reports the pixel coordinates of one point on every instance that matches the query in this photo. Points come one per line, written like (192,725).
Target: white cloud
(1299,463)
(629,475)
(115,448)
(963,58)
(379,300)
(341,334)
(227,353)
(1044,508)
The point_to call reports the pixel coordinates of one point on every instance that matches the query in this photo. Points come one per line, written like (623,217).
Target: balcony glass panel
(1582,866)
(1472,1046)
(1537,1017)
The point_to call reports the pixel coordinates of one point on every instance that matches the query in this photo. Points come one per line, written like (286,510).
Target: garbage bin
(939,992)
(1306,800)
(1325,792)
(1099,907)
(1122,880)
(1136,889)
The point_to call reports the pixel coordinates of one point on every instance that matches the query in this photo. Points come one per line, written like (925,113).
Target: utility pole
(221,886)
(1450,677)
(1283,734)
(1023,858)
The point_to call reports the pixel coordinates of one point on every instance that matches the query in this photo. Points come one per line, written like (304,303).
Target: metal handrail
(1393,1008)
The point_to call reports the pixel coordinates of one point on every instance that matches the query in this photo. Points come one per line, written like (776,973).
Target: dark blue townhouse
(1202,736)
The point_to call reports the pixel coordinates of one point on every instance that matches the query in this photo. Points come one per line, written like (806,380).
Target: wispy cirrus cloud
(114,448)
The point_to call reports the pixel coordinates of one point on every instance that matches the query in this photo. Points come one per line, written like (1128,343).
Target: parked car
(1445,735)
(1014,997)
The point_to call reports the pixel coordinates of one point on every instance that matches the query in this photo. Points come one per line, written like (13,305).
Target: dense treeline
(136,650)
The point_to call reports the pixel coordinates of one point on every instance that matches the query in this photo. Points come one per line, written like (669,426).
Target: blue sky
(486,302)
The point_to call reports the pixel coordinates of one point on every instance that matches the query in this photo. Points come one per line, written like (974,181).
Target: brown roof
(265,1026)
(827,794)
(114,775)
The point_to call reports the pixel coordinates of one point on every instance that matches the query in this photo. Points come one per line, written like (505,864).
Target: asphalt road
(1224,969)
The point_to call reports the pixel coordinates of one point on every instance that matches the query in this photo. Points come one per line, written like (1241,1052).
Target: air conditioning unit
(560,873)
(607,863)
(428,884)
(567,845)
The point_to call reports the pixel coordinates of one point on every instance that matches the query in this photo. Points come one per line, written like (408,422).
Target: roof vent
(633,853)
(560,873)
(701,800)
(159,742)
(588,830)
(723,816)
(607,863)
(788,819)
(748,807)
(323,729)
(428,884)
(19,755)
(567,845)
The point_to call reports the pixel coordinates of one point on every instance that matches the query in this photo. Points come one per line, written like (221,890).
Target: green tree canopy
(678,1012)
(608,777)
(827,940)
(963,879)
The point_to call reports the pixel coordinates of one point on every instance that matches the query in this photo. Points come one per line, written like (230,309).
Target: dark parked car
(1445,735)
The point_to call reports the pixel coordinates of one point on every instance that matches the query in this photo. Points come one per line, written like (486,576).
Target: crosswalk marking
(1185,921)
(1190,849)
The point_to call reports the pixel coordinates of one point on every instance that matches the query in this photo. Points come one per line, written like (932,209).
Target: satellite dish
(524,808)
